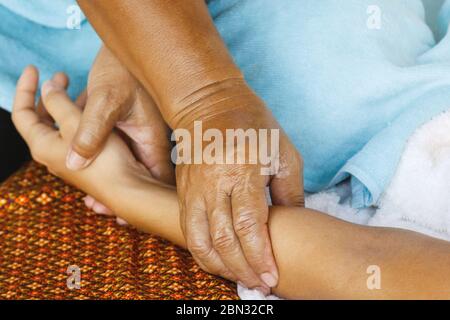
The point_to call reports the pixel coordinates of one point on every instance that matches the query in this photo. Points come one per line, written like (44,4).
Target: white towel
(418,197)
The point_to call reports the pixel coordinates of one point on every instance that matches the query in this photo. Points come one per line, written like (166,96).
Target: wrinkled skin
(116,99)
(175,51)
(224,211)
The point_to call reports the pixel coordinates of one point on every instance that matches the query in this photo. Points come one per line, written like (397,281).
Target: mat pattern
(45,228)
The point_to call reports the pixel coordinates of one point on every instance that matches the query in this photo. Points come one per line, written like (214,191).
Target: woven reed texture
(45,228)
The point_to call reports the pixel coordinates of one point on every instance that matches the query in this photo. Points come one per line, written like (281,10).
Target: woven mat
(49,240)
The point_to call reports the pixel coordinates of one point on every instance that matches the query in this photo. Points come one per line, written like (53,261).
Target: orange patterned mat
(45,228)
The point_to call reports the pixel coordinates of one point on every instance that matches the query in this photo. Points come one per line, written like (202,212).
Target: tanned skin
(174,50)
(318,256)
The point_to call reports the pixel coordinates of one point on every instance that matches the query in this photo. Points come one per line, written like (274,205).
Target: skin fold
(318,256)
(174,50)
(127,107)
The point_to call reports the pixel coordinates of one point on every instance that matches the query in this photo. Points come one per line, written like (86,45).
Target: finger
(60,107)
(96,206)
(227,245)
(286,187)
(61,79)
(152,148)
(24,114)
(121,222)
(89,201)
(99,117)
(250,215)
(100,208)
(199,243)
(81,99)
(182,174)
(156,159)
(150,134)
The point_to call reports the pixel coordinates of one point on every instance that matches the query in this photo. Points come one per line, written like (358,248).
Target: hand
(116,99)
(49,145)
(224,211)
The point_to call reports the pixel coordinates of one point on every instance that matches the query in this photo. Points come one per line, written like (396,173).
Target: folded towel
(417,197)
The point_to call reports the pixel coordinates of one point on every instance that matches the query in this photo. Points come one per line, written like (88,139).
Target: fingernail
(89,202)
(100,209)
(269,279)
(74,161)
(121,222)
(49,86)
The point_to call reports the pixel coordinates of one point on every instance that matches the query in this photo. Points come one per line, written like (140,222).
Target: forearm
(323,257)
(319,256)
(172,47)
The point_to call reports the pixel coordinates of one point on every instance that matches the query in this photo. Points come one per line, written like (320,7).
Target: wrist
(221,97)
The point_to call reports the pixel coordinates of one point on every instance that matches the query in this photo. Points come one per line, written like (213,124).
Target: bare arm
(318,256)
(174,50)
(172,47)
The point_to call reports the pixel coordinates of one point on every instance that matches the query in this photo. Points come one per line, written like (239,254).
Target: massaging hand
(49,144)
(176,52)
(116,99)
(224,211)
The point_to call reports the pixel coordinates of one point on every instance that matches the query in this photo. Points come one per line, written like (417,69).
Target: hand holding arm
(174,50)
(318,256)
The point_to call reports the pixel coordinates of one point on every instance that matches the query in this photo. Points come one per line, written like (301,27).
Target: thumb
(150,137)
(156,159)
(286,187)
(99,117)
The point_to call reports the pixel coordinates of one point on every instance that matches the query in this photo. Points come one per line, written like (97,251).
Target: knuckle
(106,97)
(200,249)
(246,225)
(223,240)
(85,142)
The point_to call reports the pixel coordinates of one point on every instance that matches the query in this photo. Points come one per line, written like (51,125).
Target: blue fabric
(348,96)
(49,13)
(36,32)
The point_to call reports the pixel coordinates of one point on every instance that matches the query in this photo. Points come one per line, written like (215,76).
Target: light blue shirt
(52,35)
(348,80)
